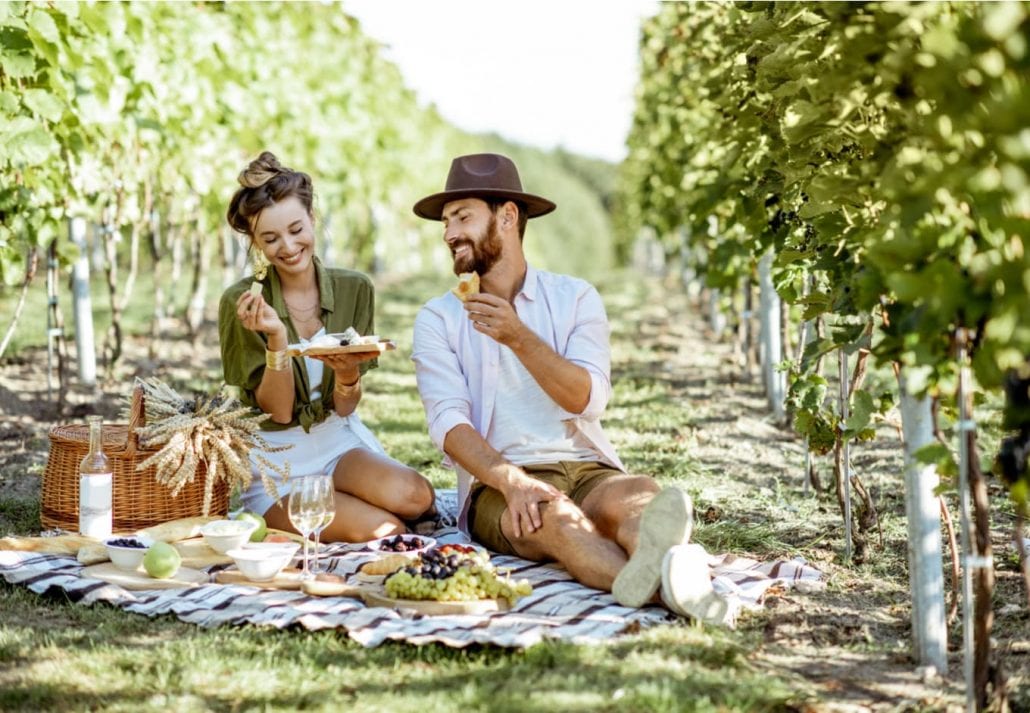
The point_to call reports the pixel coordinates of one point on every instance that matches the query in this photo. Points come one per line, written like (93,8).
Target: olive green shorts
(574,478)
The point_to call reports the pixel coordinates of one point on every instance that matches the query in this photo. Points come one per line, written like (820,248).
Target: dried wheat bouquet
(218,430)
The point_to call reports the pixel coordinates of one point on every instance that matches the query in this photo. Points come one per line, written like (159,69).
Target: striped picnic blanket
(558,608)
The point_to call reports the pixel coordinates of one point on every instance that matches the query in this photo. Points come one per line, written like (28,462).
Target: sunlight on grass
(56,655)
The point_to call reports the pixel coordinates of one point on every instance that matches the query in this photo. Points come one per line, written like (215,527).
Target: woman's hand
(257,315)
(345,366)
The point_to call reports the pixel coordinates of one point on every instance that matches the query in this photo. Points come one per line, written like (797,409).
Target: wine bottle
(95,485)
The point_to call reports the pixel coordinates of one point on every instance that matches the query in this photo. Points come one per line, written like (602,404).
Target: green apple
(162,560)
(262,529)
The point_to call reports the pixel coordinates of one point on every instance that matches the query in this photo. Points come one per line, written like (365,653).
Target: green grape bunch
(450,574)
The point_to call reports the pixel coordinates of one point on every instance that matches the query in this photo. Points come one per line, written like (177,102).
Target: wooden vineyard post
(977,557)
(926,574)
(771,344)
(845,453)
(716,317)
(85,346)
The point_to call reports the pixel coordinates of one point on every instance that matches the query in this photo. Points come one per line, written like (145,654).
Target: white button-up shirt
(457,367)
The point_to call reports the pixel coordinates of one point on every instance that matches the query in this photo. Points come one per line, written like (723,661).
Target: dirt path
(850,641)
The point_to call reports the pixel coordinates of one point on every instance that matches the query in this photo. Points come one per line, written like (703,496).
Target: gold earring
(260,264)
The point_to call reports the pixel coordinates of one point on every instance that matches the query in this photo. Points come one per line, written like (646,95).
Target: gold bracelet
(277,361)
(347,391)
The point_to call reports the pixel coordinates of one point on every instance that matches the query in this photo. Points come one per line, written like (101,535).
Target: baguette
(175,530)
(468,285)
(59,545)
(386,565)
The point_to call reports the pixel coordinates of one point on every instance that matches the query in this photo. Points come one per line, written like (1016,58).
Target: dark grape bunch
(449,574)
(438,564)
(1013,459)
(127,542)
(399,544)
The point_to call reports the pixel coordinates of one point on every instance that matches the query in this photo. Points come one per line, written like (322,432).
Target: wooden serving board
(434,608)
(197,554)
(139,579)
(382,345)
(289,578)
(374,596)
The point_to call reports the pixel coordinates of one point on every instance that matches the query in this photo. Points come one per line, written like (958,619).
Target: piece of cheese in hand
(468,285)
(255,288)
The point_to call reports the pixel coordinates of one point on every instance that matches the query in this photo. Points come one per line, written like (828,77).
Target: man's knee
(557,519)
(558,516)
(621,496)
(616,504)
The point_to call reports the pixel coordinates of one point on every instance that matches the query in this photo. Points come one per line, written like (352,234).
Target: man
(514,381)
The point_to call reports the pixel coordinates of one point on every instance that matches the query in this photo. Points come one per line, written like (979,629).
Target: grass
(58,655)
(20,514)
(100,657)
(55,655)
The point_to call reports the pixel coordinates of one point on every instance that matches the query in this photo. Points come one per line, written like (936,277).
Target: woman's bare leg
(384,483)
(355,521)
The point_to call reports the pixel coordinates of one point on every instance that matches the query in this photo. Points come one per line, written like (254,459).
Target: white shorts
(313,453)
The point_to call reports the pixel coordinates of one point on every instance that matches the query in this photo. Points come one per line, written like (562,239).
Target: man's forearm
(471,451)
(567,383)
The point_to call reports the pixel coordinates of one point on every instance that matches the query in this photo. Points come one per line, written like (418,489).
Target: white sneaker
(687,585)
(666,522)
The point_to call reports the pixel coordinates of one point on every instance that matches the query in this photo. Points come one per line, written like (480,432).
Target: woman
(310,402)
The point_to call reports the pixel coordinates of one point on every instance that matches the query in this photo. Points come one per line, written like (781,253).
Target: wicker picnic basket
(139,500)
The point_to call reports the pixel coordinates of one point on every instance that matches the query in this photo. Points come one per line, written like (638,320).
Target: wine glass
(326,506)
(302,509)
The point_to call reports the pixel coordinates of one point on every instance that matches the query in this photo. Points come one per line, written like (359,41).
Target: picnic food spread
(404,543)
(345,342)
(454,573)
(420,575)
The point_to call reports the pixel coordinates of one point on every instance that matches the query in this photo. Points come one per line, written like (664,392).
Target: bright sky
(542,72)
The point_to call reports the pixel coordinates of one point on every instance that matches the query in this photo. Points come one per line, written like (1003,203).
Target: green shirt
(348,300)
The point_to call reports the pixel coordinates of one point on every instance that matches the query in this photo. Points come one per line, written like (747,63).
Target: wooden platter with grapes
(446,579)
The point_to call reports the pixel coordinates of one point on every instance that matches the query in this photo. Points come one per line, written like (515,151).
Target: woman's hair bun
(261,170)
(265,182)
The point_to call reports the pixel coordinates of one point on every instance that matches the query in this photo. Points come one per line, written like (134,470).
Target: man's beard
(486,251)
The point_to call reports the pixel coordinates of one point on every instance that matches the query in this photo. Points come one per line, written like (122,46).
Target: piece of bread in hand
(468,285)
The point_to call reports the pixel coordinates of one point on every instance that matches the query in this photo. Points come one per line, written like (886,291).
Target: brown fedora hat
(482,175)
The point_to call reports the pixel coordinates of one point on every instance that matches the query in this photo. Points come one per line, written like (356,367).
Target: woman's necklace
(307,313)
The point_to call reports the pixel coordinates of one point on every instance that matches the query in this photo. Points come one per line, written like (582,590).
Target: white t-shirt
(315,367)
(530,427)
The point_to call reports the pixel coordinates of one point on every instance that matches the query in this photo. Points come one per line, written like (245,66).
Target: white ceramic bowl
(225,535)
(124,557)
(412,544)
(261,562)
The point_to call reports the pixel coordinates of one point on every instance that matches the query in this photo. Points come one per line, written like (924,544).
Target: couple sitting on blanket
(514,380)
